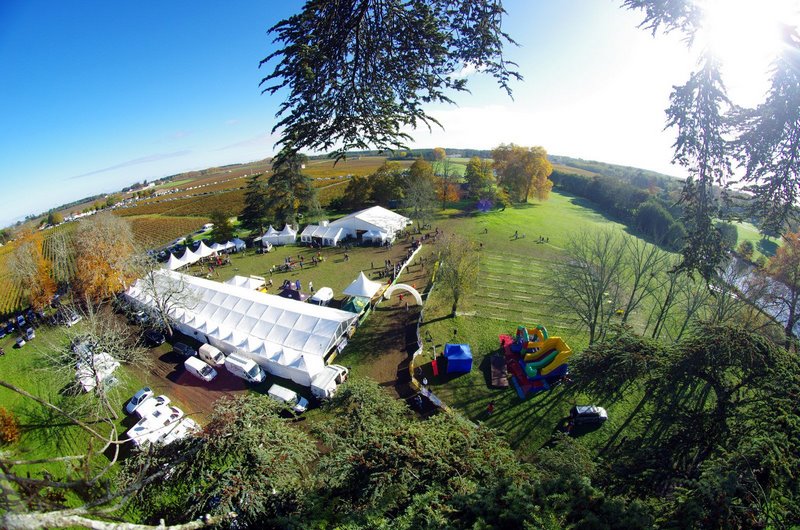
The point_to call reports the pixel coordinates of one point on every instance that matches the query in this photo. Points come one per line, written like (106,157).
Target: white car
(72,319)
(30,333)
(20,342)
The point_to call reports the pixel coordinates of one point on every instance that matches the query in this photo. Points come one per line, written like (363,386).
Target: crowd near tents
(375,224)
(190,257)
(287,338)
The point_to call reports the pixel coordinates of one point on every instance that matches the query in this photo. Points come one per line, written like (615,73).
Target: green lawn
(763,246)
(512,290)
(46,433)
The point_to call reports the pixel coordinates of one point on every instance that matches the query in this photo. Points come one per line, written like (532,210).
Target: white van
(245,368)
(324,384)
(211,355)
(284,395)
(199,369)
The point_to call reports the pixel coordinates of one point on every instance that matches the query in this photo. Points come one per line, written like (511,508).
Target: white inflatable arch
(403,287)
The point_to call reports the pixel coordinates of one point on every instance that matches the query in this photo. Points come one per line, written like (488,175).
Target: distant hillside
(642,178)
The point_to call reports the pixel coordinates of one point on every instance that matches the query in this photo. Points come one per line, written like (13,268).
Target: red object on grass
(435,367)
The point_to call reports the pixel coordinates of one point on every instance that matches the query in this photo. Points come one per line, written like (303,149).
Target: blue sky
(97,94)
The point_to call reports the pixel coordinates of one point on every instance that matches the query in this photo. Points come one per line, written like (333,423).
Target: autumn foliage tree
(104,252)
(784,266)
(33,272)
(523,171)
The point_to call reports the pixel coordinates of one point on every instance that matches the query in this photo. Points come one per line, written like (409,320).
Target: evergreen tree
(254,212)
(289,191)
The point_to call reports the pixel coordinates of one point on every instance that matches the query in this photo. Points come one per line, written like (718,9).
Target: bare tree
(32,498)
(644,267)
(458,268)
(87,360)
(588,282)
(167,292)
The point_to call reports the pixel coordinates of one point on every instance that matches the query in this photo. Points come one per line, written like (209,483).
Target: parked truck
(324,384)
(199,369)
(245,368)
(211,355)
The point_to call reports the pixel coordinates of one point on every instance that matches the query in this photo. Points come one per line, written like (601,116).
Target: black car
(153,337)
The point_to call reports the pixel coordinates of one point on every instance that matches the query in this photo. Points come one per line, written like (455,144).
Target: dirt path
(389,338)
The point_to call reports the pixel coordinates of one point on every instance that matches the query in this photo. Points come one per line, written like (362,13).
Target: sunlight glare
(746,36)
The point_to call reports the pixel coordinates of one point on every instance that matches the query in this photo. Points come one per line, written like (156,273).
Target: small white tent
(203,251)
(363,286)
(238,244)
(287,236)
(174,263)
(189,257)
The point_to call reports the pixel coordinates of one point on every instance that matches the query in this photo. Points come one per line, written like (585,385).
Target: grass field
(763,246)
(512,290)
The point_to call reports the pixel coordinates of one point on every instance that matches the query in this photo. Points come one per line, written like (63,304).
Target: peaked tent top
(362,286)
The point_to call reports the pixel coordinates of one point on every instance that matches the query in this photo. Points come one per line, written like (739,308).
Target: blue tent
(459,358)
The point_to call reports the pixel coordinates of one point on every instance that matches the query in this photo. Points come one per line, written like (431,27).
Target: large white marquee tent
(288,338)
(375,223)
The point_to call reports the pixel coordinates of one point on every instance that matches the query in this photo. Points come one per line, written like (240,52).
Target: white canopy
(362,286)
(216,247)
(325,294)
(238,243)
(248,282)
(189,257)
(203,251)
(233,318)
(375,235)
(287,236)
(376,220)
(174,263)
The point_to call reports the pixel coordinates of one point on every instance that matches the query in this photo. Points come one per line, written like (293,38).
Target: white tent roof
(323,295)
(217,247)
(362,286)
(271,231)
(238,243)
(203,251)
(249,282)
(324,232)
(189,257)
(174,263)
(288,231)
(242,316)
(377,218)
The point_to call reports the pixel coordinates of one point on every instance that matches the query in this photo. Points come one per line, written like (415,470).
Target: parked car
(587,415)
(281,394)
(138,317)
(138,398)
(9,327)
(184,349)
(211,355)
(71,318)
(30,334)
(20,342)
(2,332)
(21,322)
(153,337)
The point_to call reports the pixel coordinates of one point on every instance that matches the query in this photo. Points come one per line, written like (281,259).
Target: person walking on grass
(311,286)
(490,408)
